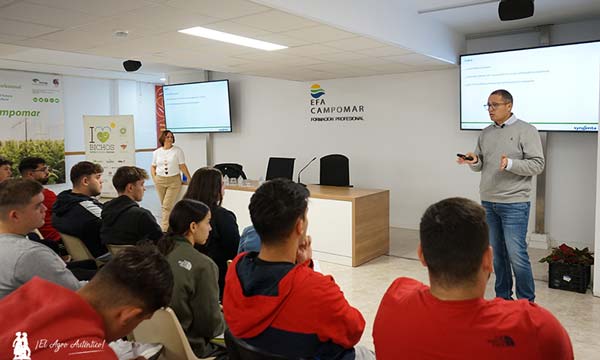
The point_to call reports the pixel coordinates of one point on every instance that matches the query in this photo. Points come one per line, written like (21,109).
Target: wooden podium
(348,226)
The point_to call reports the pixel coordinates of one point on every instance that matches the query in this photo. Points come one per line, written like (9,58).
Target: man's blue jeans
(508,230)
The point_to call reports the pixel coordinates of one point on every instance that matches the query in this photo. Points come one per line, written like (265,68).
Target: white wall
(137,99)
(408,142)
(82,96)
(93,96)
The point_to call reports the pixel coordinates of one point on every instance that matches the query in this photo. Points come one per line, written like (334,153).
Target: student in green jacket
(196,291)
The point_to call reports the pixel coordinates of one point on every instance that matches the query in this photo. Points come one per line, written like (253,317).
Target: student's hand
(503,163)
(304,251)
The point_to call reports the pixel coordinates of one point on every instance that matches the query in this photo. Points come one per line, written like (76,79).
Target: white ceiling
(79,33)
(483,18)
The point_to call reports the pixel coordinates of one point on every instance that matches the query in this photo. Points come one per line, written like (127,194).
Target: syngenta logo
(316,91)
(20,346)
(19,113)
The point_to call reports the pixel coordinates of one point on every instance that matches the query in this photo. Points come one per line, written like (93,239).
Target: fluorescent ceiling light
(230,38)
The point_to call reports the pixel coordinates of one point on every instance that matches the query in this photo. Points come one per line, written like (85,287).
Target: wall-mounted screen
(555,88)
(201,107)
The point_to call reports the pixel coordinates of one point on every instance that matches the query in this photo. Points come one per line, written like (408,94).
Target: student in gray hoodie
(21,211)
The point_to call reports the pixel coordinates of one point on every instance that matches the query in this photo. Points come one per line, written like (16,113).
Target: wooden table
(348,226)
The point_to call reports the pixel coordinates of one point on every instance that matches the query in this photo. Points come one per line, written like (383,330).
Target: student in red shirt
(35,168)
(451,319)
(42,320)
(274,300)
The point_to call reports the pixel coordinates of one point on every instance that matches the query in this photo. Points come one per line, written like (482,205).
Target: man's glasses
(44,169)
(493,106)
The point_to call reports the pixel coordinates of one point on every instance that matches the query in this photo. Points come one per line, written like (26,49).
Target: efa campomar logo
(321,111)
(316,91)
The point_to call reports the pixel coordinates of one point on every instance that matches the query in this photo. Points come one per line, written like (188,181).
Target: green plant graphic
(53,151)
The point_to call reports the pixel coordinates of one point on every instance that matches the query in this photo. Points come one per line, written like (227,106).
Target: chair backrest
(231,170)
(115,249)
(280,168)
(76,248)
(38,233)
(164,328)
(238,349)
(335,170)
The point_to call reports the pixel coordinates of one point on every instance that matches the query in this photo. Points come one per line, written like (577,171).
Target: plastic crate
(570,277)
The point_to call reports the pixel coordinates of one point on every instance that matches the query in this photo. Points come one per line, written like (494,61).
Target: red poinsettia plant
(568,255)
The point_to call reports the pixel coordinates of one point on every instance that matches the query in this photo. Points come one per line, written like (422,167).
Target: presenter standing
(168,162)
(508,153)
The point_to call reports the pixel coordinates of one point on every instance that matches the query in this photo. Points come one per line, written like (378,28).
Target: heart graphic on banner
(123,146)
(103,136)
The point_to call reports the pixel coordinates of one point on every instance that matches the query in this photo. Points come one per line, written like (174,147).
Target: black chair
(335,170)
(231,170)
(238,349)
(280,168)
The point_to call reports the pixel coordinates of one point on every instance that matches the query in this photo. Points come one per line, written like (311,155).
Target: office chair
(335,170)
(238,349)
(76,248)
(231,170)
(164,328)
(280,168)
(79,251)
(115,249)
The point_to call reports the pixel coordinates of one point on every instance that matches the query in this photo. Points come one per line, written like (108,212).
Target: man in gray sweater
(22,211)
(508,153)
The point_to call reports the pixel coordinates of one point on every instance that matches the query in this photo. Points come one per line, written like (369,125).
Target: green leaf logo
(103,136)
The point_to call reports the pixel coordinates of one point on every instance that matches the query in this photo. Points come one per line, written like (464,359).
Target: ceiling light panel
(231,38)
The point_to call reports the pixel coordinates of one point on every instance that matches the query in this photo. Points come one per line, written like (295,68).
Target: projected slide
(554,88)
(197,107)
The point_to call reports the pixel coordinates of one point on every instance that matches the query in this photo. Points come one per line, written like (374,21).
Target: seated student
(35,168)
(126,291)
(5,169)
(249,240)
(22,211)
(124,222)
(223,241)
(196,292)
(76,212)
(451,319)
(274,300)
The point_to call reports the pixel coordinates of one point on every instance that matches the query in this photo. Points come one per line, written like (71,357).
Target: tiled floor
(364,287)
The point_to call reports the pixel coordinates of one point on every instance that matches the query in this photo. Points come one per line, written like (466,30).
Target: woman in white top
(168,162)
